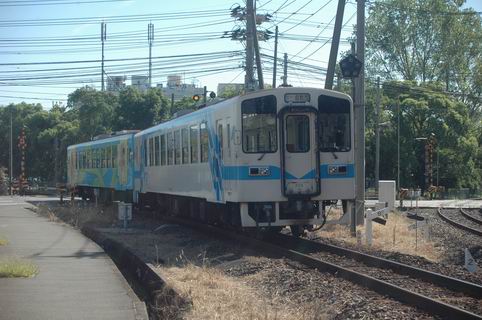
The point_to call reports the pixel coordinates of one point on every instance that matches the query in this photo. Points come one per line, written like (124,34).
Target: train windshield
(334,114)
(259,125)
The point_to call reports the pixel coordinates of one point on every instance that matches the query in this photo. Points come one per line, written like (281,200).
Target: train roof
(209,108)
(123,135)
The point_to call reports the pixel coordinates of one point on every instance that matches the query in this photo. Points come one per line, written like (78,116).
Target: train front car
(267,159)
(294,154)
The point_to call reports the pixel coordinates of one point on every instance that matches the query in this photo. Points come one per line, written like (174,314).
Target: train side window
(184,146)
(335,131)
(193,131)
(228,138)
(145,152)
(108,156)
(220,137)
(94,159)
(151,151)
(163,150)
(177,147)
(259,125)
(204,142)
(170,149)
(102,157)
(114,156)
(156,151)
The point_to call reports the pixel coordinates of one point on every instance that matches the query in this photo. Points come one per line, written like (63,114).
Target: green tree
(231,91)
(423,40)
(95,111)
(425,110)
(140,110)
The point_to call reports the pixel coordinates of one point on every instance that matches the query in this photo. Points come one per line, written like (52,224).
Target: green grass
(17,268)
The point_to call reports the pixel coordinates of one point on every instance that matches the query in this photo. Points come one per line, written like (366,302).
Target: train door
(300,161)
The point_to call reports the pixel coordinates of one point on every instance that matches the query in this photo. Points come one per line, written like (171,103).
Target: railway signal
(22,145)
(350,66)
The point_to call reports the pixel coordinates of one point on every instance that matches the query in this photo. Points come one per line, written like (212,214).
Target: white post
(368,227)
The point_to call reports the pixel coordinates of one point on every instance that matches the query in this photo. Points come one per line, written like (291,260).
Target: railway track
(432,292)
(462,220)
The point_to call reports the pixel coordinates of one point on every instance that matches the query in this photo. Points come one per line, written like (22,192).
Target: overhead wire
(50,3)
(309,17)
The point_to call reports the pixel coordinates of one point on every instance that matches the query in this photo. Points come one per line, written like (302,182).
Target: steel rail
(432,306)
(441,280)
(459,225)
(470,217)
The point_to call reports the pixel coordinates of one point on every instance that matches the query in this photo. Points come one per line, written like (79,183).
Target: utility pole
(360,116)
(11,151)
(285,70)
(103,28)
(330,73)
(377,137)
(205,95)
(256,50)
(275,64)
(249,78)
(150,38)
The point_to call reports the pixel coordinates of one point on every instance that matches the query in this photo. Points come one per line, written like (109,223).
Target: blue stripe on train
(242,173)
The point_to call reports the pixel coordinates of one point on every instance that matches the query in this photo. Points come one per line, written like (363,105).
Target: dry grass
(77,215)
(3,241)
(394,236)
(17,268)
(215,295)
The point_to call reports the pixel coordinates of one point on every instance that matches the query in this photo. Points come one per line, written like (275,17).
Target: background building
(116,83)
(140,82)
(180,90)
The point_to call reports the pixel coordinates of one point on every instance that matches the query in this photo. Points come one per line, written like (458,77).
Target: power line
(114,60)
(310,16)
(200,14)
(20,3)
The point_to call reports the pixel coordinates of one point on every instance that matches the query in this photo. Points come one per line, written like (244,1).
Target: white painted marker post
(470,263)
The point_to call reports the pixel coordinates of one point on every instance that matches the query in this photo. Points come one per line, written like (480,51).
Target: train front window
(334,132)
(297,133)
(259,125)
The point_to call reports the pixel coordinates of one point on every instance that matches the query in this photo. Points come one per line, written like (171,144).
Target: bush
(3,181)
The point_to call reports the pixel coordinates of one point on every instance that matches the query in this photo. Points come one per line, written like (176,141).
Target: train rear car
(102,168)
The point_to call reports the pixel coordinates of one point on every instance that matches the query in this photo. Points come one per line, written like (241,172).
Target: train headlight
(337,170)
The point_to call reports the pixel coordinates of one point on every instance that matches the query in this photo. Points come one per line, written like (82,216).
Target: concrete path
(76,279)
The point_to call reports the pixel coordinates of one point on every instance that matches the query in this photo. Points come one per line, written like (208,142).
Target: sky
(49,48)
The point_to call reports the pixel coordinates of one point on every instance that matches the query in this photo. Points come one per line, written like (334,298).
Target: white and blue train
(266,159)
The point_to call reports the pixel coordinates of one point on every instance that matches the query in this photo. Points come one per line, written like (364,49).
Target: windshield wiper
(262,156)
